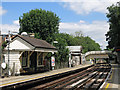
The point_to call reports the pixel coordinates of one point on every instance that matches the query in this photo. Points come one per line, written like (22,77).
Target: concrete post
(118,57)
(70,60)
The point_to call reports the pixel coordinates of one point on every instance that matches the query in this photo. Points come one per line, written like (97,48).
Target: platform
(113,82)
(19,79)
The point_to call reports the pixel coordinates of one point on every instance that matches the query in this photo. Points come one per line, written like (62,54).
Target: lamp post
(8,53)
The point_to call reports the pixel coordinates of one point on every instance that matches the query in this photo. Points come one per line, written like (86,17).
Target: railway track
(90,78)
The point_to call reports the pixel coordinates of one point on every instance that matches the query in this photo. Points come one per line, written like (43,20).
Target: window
(40,59)
(24,59)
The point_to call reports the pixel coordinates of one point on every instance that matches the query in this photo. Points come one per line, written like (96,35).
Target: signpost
(53,62)
(53,58)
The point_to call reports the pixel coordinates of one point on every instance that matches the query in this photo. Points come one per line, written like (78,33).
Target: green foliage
(89,44)
(113,35)
(86,42)
(63,52)
(43,23)
(4,45)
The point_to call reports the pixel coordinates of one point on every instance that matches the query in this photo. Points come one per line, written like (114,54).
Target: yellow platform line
(111,74)
(107,86)
(109,83)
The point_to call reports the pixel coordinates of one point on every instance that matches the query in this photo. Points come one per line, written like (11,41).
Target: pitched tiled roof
(36,42)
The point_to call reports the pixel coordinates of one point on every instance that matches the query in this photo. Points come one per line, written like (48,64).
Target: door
(33,61)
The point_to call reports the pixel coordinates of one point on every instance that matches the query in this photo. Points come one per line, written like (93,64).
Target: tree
(43,23)
(113,35)
(86,42)
(63,53)
(78,34)
(45,26)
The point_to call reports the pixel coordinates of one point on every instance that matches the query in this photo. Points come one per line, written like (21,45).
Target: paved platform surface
(17,79)
(113,82)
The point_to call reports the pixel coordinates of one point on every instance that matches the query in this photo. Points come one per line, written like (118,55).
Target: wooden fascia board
(45,50)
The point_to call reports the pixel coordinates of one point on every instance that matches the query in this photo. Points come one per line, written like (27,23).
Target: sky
(75,15)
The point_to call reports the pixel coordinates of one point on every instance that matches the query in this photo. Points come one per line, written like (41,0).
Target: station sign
(52,61)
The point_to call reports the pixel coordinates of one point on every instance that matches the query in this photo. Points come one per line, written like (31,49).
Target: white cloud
(96,30)
(81,21)
(8,27)
(16,22)
(2,11)
(85,6)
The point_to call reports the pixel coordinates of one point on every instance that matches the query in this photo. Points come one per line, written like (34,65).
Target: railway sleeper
(102,74)
(84,81)
(89,84)
(68,85)
(72,81)
(98,83)
(96,80)
(63,83)
(93,81)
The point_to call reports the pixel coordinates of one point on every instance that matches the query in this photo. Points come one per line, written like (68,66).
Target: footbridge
(98,54)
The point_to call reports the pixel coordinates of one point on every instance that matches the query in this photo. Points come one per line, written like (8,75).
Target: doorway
(33,61)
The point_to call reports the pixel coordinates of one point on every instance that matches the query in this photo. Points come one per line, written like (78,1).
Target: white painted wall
(74,48)
(76,59)
(75,52)
(19,44)
(13,58)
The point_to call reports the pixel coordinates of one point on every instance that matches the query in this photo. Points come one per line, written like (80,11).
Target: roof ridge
(36,42)
(32,37)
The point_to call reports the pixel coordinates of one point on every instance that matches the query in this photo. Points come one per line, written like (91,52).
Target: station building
(27,54)
(75,56)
